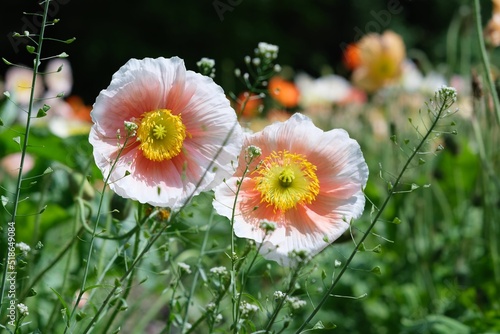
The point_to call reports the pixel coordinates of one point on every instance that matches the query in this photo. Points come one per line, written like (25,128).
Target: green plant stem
(127,290)
(220,296)
(485,61)
(281,302)
(26,136)
(198,266)
(392,191)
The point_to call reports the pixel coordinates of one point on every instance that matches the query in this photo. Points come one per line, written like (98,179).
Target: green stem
(485,61)
(26,136)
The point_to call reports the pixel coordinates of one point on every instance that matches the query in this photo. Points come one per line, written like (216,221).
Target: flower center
(285,179)
(161,135)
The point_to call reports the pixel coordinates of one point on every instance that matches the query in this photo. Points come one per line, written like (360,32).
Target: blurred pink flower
(186,137)
(18,82)
(10,163)
(58,81)
(307,181)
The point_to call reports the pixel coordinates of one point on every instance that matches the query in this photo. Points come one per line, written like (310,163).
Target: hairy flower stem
(445,104)
(26,133)
(485,61)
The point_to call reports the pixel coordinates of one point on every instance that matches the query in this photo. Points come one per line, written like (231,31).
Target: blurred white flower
(58,81)
(323,91)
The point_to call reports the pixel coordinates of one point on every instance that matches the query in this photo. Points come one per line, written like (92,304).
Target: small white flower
(247,309)
(218,318)
(267,50)
(296,303)
(279,295)
(131,128)
(256,61)
(253,151)
(183,267)
(219,270)
(445,92)
(267,226)
(23,309)
(337,263)
(23,248)
(210,307)
(206,62)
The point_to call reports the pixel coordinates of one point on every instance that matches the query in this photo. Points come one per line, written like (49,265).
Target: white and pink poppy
(182,133)
(308,182)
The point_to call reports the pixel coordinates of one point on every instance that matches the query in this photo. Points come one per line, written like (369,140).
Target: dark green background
(310,33)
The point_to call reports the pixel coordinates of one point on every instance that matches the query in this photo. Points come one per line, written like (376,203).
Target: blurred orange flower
(351,57)
(283,91)
(381,60)
(248,105)
(81,111)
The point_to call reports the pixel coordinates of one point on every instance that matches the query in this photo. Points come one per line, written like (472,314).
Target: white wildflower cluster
(247,309)
(210,307)
(207,67)
(24,248)
(218,318)
(131,128)
(253,152)
(183,267)
(446,93)
(295,303)
(23,309)
(219,270)
(279,295)
(267,226)
(267,51)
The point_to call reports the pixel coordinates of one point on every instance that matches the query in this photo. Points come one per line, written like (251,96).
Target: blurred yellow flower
(492,29)
(381,59)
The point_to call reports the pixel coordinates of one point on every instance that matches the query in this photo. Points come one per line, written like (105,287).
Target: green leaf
(5,200)
(376,270)
(63,303)
(7,62)
(396,221)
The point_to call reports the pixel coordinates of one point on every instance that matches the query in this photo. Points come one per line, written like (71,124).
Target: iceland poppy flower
(381,59)
(182,133)
(308,182)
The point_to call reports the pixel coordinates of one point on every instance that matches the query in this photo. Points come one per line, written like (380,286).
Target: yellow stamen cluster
(161,134)
(286,179)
